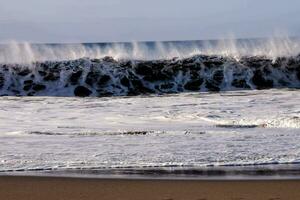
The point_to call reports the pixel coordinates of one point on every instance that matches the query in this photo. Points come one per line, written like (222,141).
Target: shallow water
(183,130)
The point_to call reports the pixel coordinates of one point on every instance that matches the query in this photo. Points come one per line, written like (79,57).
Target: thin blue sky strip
(132,20)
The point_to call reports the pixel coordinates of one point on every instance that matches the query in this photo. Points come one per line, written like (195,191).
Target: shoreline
(261,172)
(49,188)
(151,178)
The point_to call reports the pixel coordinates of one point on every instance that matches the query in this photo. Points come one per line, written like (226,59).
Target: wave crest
(273,47)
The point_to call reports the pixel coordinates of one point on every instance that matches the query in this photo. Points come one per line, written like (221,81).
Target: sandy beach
(59,188)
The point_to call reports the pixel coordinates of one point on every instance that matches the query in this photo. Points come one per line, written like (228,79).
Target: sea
(181,109)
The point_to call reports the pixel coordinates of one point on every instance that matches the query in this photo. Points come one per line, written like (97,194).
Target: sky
(145,20)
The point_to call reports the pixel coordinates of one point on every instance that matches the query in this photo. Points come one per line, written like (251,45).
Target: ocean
(183,108)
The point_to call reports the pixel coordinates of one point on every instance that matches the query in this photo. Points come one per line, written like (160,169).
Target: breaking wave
(146,68)
(109,77)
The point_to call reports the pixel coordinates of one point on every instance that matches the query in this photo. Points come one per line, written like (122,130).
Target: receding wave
(51,133)
(110,77)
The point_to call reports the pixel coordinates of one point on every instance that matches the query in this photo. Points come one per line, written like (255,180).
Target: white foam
(72,132)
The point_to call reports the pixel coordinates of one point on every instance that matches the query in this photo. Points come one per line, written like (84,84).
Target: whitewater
(150,105)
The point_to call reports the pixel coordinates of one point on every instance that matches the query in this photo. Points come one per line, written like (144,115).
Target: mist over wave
(25,52)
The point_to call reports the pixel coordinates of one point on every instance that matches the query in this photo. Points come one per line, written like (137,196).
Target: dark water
(109,77)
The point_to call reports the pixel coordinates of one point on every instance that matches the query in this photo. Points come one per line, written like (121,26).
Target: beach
(60,188)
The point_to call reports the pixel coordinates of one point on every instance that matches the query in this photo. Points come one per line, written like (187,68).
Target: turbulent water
(108,77)
(185,130)
(150,113)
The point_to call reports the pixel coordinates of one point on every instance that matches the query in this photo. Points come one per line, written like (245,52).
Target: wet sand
(59,188)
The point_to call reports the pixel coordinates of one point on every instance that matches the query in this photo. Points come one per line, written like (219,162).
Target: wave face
(109,77)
